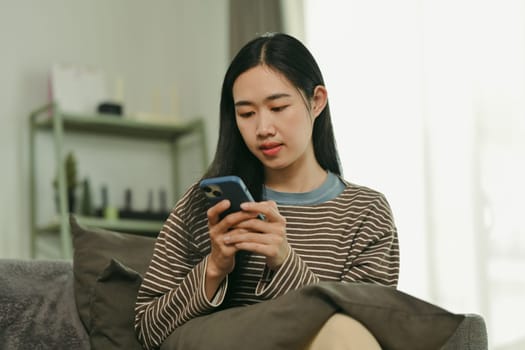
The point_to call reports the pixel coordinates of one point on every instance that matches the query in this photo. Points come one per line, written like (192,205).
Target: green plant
(71,171)
(70,164)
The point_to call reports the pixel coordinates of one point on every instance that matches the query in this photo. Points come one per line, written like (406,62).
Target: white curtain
(428,102)
(249,18)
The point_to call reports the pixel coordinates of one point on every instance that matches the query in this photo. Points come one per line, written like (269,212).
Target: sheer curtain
(249,18)
(428,101)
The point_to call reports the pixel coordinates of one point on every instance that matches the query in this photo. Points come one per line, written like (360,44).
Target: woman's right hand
(221,259)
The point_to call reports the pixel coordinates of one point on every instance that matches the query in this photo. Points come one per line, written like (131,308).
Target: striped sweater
(350,238)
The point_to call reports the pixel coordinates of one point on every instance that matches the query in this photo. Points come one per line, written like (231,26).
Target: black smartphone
(226,187)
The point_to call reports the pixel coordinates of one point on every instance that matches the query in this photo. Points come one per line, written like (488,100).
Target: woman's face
(274,118)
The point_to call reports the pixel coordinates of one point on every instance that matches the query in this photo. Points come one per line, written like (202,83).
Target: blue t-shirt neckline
(329,189)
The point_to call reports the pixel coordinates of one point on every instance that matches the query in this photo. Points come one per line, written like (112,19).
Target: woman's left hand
(266,237)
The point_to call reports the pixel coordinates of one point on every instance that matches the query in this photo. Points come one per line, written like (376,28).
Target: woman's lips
(271,149)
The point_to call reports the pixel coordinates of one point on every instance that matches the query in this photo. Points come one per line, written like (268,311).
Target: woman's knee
(342,332)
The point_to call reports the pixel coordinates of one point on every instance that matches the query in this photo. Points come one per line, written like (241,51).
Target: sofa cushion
(93,250)
(37,306)
(112,308)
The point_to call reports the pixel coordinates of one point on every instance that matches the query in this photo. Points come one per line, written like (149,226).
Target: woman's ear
(319,100)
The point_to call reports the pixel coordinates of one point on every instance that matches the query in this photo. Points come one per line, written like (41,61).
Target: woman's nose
(265,125)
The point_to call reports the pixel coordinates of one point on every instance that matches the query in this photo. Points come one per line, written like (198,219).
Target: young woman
(276,134)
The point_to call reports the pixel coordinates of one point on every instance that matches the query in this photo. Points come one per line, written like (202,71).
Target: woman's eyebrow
(269,98)
(276,96)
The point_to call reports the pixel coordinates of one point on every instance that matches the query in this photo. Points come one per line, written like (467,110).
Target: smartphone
(226,187)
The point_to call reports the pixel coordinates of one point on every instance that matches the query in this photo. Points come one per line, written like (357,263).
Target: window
(428,103)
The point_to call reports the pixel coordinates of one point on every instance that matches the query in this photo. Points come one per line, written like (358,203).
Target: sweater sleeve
(172,291)
(374,254)
(292,274)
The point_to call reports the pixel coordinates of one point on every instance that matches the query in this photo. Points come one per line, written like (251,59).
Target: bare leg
(342,332)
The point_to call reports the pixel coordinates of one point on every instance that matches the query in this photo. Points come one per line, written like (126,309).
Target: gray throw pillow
(397,320)
(93,250)
(112,308)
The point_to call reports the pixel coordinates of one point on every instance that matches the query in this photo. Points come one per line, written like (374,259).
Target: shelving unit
(50,119)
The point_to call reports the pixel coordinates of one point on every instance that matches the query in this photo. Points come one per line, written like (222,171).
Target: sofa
(88,303)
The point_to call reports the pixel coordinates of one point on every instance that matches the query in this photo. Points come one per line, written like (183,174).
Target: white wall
(155,46)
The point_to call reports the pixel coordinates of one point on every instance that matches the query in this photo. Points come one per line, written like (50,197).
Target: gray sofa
(37,306)
(88,303)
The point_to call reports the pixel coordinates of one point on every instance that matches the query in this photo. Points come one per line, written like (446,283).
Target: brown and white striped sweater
(350,238)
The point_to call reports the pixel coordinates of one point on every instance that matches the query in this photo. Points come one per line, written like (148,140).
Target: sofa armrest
(471,334)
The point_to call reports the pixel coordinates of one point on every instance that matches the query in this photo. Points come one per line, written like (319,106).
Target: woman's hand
(266,237)
(221,259)
(243,230)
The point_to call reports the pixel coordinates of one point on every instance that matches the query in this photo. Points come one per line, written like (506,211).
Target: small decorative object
(107,211)
(86,205)
(104,197)
(163,202)
(111,213)
(78,88)
(127,211)
(128,200)
(110,108)
(70,165)
(99,211)
(71,180)
(150,201)
(115,106)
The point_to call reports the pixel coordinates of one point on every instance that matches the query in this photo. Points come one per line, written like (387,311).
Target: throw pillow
(112,308)
(93,249)
(397,320)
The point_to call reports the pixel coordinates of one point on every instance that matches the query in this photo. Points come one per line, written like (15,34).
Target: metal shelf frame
(50,118)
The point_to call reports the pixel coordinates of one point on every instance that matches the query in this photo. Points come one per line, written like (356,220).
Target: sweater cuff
(292,274)
(218,298)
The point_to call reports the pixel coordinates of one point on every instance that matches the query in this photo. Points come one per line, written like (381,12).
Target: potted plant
(70,165)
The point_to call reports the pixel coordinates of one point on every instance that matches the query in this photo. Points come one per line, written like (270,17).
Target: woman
(276,134)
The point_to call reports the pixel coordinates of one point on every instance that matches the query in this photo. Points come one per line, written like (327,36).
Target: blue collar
(331,188)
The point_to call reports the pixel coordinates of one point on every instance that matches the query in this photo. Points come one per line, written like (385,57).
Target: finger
(267,250)
(275,251)
(241,235)
(260,226)
(234,219)
(267,208)
(253,247)
(232,236)
(221,246)
(214,212)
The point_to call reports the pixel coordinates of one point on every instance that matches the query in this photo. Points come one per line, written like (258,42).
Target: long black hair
(290,57)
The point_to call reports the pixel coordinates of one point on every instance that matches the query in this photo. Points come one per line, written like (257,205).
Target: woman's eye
(245,114)
(279,108)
